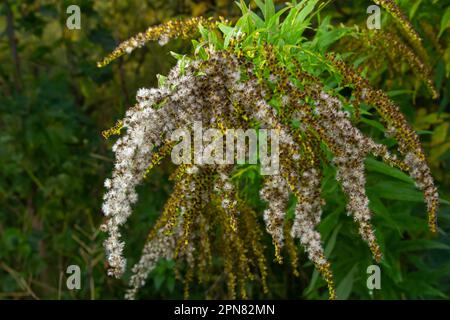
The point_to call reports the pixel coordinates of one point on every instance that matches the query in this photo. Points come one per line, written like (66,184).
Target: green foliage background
(54,103)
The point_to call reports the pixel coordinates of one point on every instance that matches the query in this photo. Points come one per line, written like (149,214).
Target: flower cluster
(275,191)
(231,88)
(408,141)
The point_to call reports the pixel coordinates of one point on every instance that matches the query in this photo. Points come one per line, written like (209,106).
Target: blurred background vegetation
(54,103)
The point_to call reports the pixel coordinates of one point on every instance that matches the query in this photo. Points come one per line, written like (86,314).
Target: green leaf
(301,17)
(241,4)
(414,8)
(228,33)
(344,288)
(312,284)
(267,7)
(275,19)
(392,266)
(329,223)
(259,23)
(424,132)
(226,30)
(380,167)
(377,206)
(161,80)
(394,93)
(296,21)
(421,245)
(445,22)
(244,23)
(332,242)
(171,284)
(158,280)
(373,123)
(177,55)
(326,35)
(396,190)
(287,23)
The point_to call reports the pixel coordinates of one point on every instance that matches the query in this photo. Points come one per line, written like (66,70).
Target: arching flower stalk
(397,126)
(242,78)
(396,51)
(409,31)
(396,46)
(162,33)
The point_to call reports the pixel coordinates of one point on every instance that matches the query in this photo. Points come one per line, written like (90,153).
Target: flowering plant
(263,71)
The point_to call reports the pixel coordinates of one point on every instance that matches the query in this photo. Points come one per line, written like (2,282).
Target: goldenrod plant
(269,69)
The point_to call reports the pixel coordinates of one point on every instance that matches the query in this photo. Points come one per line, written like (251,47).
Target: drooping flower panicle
(227,87)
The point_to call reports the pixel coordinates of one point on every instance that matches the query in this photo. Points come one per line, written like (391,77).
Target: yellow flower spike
(204,259)
(114,130)
(394,48)
(405,24)
(432,216)
(162,33)
(325,271)
(189,276)
(278,257)
(159,155)
(291,248)
(170,211)
(251,230)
